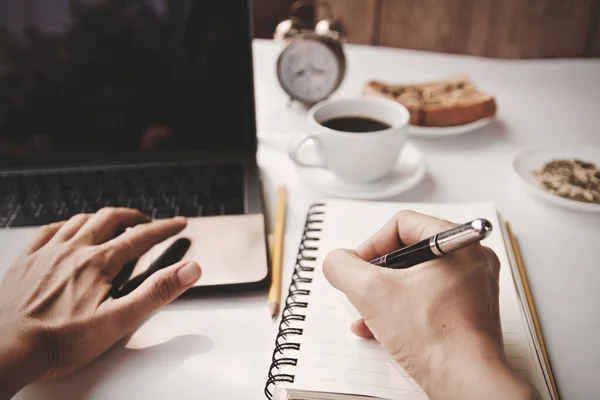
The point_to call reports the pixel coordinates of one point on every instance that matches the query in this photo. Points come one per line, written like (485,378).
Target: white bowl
(531,159)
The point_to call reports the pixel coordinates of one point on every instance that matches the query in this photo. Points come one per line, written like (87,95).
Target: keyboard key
(161,203)
(188,211)
(138,203)
(164,213)
(209,209)
(48,209)
(7,210)
(147,211)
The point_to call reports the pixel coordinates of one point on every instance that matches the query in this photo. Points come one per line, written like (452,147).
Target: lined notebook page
(332,360)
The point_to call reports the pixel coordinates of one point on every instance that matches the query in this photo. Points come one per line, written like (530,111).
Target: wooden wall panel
(414,24)
(359,16)
(594,50)
(554,28)
(593,45)
(266,14)
(493,28)
(497,28)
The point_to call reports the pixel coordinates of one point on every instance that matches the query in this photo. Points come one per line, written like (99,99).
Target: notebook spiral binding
(295,300)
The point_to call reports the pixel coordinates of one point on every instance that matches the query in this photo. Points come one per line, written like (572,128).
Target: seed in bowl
(572,179)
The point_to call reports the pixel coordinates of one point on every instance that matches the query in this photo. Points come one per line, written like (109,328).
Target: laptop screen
(124,79)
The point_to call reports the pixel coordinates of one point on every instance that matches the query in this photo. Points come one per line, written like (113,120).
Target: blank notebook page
(332,360)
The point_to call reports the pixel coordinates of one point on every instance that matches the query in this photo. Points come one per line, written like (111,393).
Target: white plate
(409,171)
(533,158)
(433,132)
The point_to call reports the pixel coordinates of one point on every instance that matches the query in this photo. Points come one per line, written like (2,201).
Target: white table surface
(220,347)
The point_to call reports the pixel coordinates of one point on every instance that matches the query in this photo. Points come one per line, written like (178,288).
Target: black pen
(436,246)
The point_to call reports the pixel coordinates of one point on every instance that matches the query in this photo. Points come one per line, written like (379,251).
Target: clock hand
(317,70)
(299,74)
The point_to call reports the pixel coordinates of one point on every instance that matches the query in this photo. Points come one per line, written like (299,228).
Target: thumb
(159,289)
(349,273)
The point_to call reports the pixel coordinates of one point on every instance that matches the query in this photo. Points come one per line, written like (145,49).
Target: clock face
(309,70)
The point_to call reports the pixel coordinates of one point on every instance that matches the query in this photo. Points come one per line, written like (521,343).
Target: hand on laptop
(439,320)
(56,312)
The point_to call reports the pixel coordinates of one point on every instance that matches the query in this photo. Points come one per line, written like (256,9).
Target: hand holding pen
(440,321)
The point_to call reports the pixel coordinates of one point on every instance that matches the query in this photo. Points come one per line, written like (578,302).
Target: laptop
(144,104)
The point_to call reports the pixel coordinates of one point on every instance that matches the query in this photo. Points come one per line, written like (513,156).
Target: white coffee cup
(355,157)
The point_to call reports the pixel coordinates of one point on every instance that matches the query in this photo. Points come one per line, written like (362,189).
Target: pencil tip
(274,309)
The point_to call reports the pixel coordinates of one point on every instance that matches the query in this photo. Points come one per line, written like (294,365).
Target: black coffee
(355,124)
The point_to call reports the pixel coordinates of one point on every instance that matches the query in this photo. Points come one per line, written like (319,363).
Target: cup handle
(293,152)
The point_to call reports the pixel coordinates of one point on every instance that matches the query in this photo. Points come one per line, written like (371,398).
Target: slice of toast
(449,102)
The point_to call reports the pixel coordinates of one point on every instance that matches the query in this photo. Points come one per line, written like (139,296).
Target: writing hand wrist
(474,369)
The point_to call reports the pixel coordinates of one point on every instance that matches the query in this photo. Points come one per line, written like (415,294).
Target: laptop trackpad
(230,249)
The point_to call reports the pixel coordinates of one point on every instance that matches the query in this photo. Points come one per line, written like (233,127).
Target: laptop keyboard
(159,192)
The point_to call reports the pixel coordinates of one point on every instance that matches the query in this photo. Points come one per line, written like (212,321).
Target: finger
(384,241)
(105,224)
(71,227)
(493,261)
(360,329)
(406,228)
(43,236)
(158,290)
(137,241)
(347,272)
(494,267)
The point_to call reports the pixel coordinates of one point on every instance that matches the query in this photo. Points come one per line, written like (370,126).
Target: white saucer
(533,158)
(434,132)
(409,171)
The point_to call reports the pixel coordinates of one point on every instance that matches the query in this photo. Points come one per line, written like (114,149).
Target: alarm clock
(312,64)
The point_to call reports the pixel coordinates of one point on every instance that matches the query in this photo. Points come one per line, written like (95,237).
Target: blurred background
(509,29)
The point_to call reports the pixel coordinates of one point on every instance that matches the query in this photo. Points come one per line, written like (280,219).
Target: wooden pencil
(530,304)
(277,254)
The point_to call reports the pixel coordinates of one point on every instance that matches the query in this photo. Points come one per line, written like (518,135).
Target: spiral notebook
(317,357)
